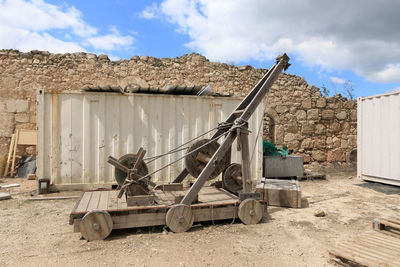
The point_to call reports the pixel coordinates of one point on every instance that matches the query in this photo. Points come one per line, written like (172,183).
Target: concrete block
(22,117)
(281,193)
(291,166)
(7,124)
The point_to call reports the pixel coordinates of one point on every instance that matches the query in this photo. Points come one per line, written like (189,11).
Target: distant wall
(321,129)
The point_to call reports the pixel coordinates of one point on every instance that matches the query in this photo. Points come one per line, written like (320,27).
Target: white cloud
(331,34)
(111,41)
(337,80)
(27,25)
(151,12)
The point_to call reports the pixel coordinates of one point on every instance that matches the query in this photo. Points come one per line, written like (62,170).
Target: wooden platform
(374,249)
(213,204)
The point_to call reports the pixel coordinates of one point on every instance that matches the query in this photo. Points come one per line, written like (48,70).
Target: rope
(176,149)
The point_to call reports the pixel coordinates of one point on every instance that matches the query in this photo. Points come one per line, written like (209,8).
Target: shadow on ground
(381,188)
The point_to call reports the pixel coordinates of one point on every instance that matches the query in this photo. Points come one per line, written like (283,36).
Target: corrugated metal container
(289,166)
(378,138)
(77,131)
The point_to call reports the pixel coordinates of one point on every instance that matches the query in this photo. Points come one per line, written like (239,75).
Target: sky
(344,46)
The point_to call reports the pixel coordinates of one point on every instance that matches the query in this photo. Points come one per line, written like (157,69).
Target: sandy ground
(37,233)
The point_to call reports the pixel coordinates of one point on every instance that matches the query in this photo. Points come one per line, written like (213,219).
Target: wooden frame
(20,137)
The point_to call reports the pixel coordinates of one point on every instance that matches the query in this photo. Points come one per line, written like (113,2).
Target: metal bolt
(96,226)
(251,212)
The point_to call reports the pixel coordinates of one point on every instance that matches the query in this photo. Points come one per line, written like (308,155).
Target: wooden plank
(370,250)
(84,202)
(14,154)
(138,220)
(27,137)
(210,214)
(4,196)
(10,152)
(94,201)
(52,198)
(103,202)
(246,175)
(112,200)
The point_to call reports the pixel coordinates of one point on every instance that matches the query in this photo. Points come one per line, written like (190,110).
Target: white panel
(378,138)
(80,130)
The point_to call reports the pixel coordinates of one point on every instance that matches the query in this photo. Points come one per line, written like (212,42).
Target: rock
(312,114)
(243,68)
(306,103)
(318,155)
(321,103)
(301,115)
(341,115)
(103,57)
(319,213)
(327,114)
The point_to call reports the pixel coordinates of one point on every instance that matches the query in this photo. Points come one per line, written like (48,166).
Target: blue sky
(330,42)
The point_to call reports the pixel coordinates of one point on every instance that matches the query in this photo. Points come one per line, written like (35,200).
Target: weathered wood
(52,198)
(218,213)
(96,225)
(210,167)
(179,218)
(246,175)
(9,185)
(4,196)
(196,161)
(94,201)
(373,249)
(84,202)
(138,220)
(14,154)
(232,178)
(169,187)
(250,211)
(10,152)
(143,200)
(181,176)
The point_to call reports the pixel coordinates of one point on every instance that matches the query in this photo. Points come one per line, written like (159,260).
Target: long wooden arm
(250,104)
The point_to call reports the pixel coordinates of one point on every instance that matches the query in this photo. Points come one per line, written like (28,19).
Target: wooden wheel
(179,218)
(128,161)
(96,225)
(196,162)
(250,211)
(232,178)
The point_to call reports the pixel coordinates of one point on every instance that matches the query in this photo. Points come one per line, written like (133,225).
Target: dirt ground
(37,233)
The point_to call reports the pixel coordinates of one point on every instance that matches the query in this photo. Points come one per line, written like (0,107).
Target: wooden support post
(14,154)
(181,176)
(246,177)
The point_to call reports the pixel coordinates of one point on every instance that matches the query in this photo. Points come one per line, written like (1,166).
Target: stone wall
(322,129)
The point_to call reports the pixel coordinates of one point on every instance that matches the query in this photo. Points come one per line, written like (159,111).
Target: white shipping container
(77,131)
(378,138)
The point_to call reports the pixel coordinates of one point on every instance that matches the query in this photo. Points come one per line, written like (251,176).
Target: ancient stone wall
(322,129)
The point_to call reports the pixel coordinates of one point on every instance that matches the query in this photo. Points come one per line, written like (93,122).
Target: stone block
(320,129)
(290,137)
(312,114)
(307,143)
(307,128)
(335,127)
(281,109)
(327,114)
(301,115)
(341,115)
(22,117)
(318,155)
(353,115)
(7,124)
(335,156)
(321,103)
(306,103)
(18,105)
